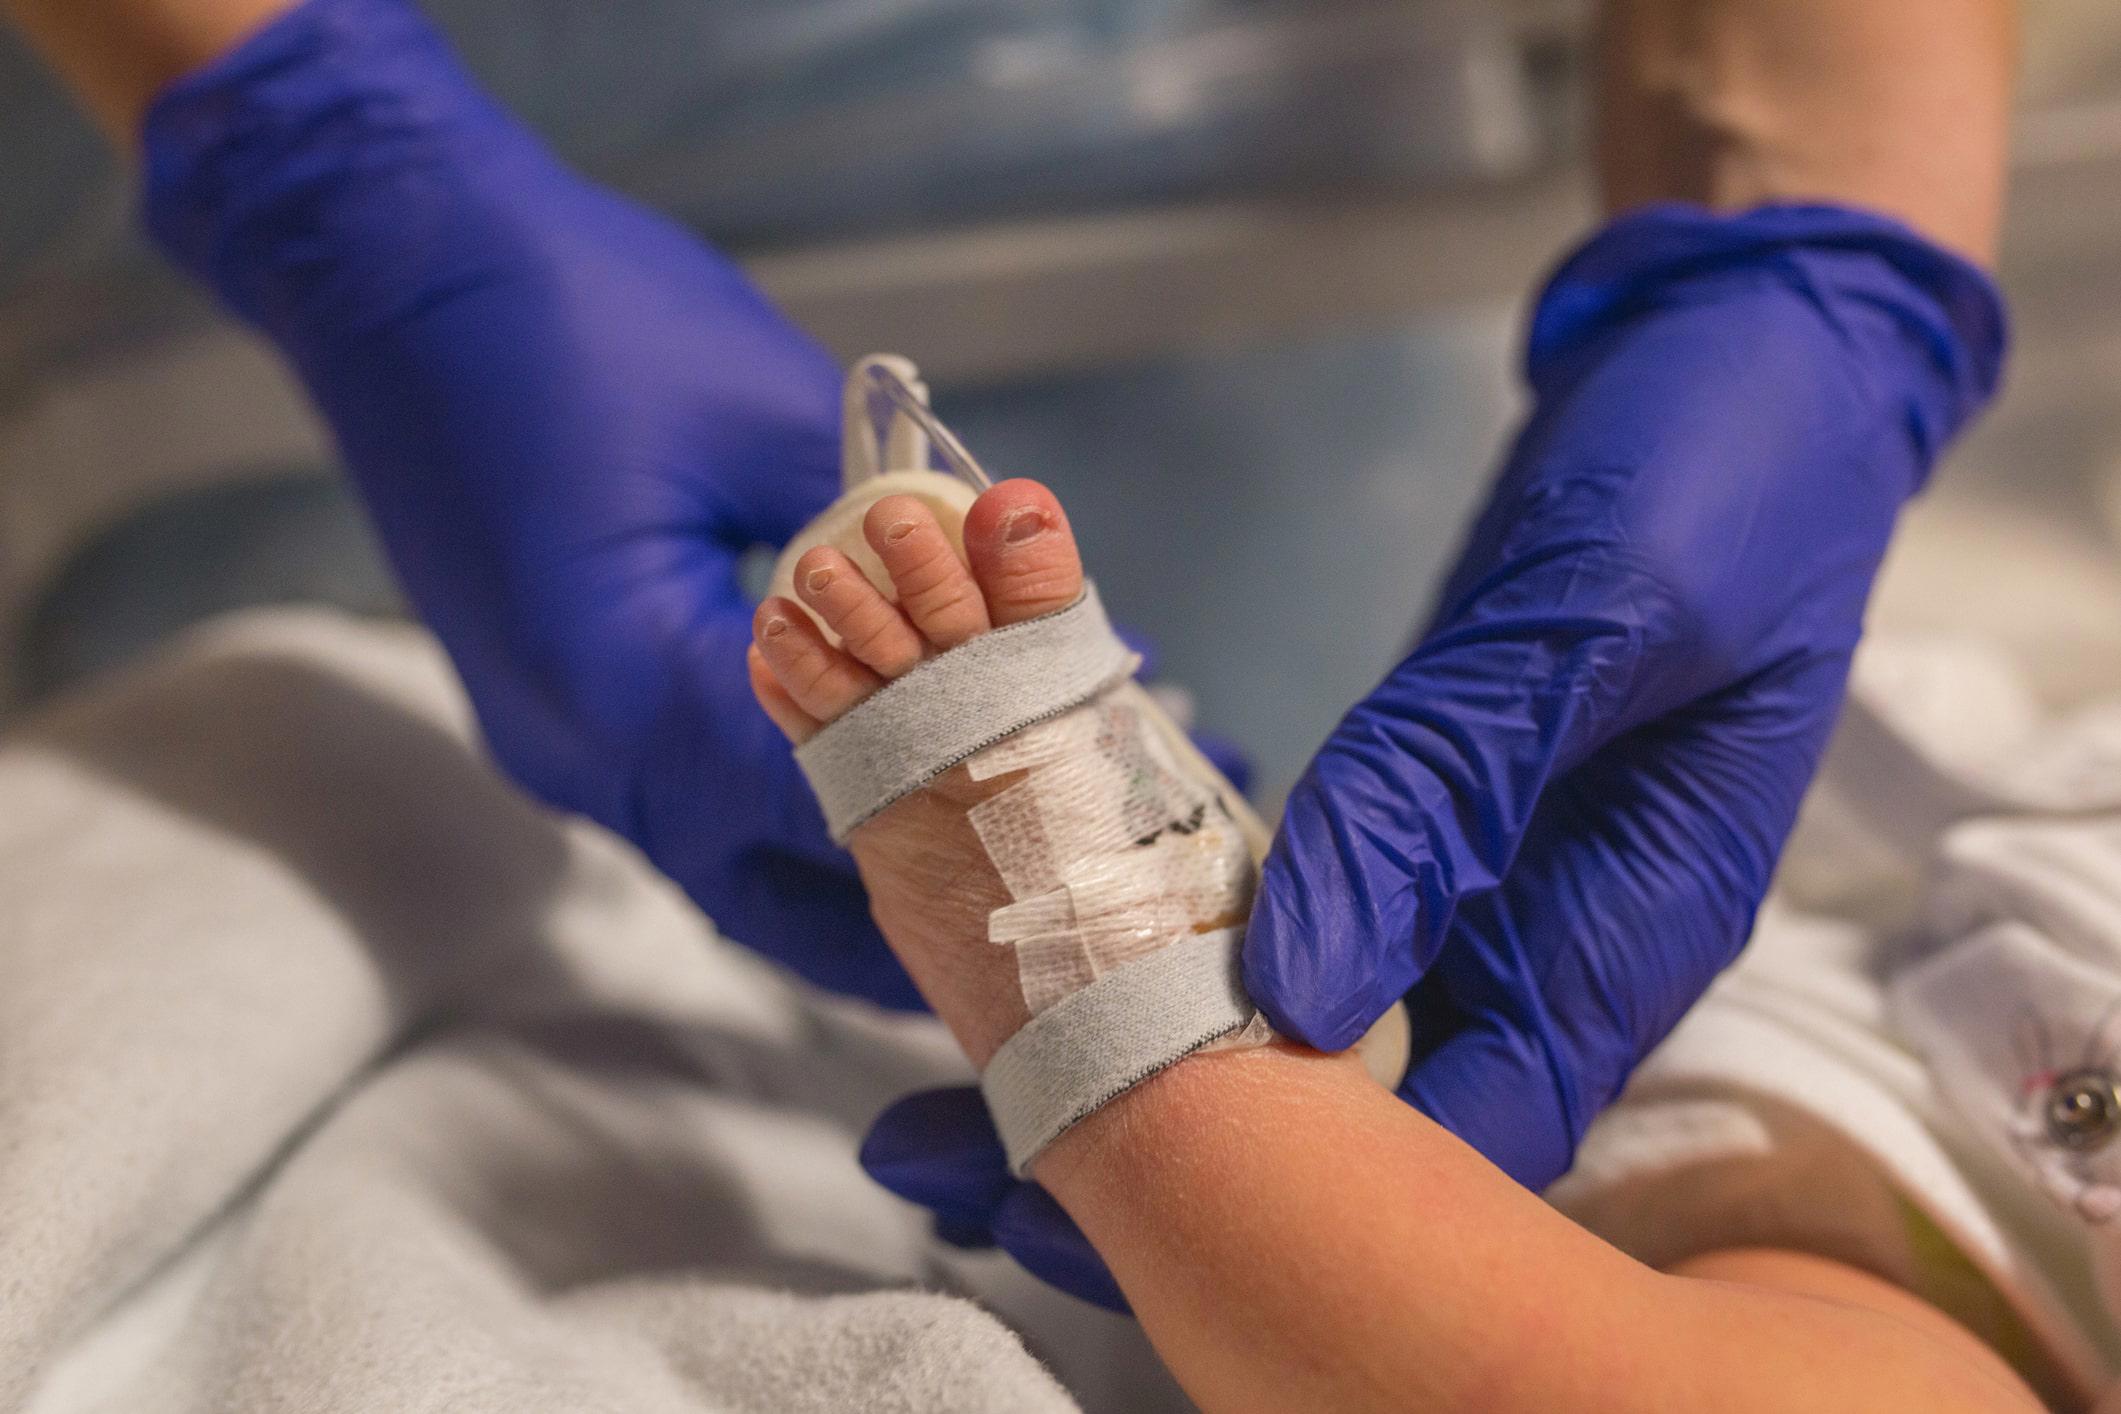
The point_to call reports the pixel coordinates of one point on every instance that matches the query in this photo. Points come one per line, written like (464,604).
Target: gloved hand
(1550,827)
(568,417)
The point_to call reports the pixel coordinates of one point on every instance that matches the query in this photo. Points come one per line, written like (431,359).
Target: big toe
(1022,552)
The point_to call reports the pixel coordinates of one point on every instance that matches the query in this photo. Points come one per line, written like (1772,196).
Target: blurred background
(1242,279)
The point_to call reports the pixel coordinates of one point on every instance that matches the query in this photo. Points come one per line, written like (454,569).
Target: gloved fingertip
(938,1148)
(1296,1004)
(1495,1088)
(1045,1241)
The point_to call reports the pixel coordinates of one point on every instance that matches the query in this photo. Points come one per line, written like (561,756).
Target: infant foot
(931,883)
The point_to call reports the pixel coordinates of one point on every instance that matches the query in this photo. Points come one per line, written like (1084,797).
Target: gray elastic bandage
(919,726)
(1089,1048)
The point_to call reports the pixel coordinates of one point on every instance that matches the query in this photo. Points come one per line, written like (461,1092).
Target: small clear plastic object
(890,427)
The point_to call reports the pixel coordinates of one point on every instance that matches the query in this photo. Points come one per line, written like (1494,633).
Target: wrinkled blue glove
(1550,827)
(568,417)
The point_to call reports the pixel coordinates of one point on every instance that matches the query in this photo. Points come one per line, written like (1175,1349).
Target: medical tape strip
(919,726)
(1109,845)
(1093,1046)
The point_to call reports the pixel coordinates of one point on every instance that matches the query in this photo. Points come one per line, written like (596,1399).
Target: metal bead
(2083,1109)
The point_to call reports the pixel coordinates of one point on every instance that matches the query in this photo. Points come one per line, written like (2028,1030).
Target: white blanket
(334,1076)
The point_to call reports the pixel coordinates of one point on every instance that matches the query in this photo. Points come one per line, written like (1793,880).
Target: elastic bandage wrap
(1129,863)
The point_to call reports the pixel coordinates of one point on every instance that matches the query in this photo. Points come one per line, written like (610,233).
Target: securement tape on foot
(1096,1044)
(1129,861)
(935,717)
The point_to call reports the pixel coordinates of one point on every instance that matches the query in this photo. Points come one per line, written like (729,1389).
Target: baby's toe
(1023,553)
(870,627)
(935,589)
(795,724)
(818,678)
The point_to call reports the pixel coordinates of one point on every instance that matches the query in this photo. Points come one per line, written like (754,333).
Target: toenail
(817,580)
(1026,524)
(774,628)
(898,530)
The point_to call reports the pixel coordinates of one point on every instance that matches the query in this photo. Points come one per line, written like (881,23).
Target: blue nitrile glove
(568,417)
(1550,827)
